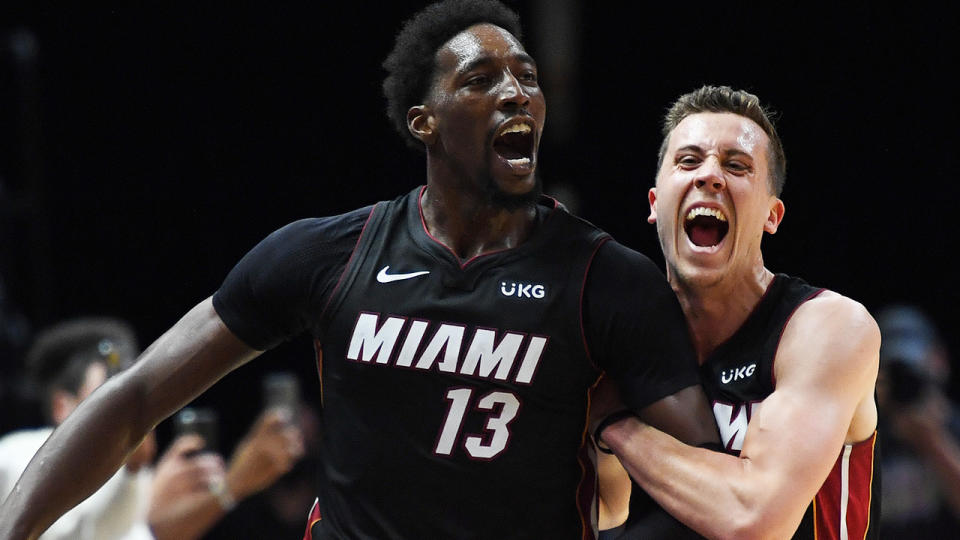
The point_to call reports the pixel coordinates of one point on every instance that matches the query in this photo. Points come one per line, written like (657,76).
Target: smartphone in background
(282,390)
(200,421)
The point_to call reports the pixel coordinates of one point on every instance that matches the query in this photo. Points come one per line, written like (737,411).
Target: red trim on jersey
(587,499)
(312,518)
(346,267)
(583,287)
(773,364)
(841,509)
(463,264)
(319,354)
(555,202)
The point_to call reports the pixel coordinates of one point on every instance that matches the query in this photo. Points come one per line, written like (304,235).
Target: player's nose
(710,175)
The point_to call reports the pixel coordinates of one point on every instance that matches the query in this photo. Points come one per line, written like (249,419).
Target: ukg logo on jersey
(522,290)
(737,373)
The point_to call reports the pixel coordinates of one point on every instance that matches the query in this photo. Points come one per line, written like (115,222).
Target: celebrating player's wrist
(608,421)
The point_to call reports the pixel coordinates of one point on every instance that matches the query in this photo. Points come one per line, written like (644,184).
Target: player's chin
(514,192)
(700,273)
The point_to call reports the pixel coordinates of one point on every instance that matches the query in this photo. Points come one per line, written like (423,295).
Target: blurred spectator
(192,492)
(919,429)
(68,362)
(190,489)
(279,511)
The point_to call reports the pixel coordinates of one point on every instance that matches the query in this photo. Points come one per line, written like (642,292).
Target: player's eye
(687,161)
(528,76)
(738,166)
(477,80)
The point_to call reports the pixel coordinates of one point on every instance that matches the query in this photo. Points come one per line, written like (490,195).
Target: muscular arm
(94,441)
(825,371)
(685,415)
(613,487)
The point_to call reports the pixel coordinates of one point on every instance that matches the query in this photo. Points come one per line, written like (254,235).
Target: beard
(511,202)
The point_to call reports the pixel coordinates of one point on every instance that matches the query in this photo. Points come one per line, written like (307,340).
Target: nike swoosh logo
(384,277)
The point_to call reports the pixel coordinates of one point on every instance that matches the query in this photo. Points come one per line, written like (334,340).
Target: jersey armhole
(336,296)
(583,287)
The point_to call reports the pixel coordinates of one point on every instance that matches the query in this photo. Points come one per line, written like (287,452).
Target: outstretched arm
(94,441)
(825,372)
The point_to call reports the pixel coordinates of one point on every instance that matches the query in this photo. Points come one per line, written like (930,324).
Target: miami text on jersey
(732,419)
(483,356)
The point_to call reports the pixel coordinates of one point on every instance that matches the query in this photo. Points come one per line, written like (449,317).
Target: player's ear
(422,124)
(775,216)
(652,197)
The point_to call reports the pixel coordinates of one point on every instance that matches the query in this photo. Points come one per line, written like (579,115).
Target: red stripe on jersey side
(318,351)
(587,496)
(841,509)
(826,505)
(816,531)
(861,488)
(312,518)
(587,490)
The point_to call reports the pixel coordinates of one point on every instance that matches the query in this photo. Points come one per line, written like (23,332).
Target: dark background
(146,149)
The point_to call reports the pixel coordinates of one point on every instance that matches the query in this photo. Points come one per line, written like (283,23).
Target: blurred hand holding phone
(200,421)
(282,391)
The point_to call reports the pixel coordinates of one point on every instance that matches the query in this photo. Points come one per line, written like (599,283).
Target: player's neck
(471,227)
(716,311)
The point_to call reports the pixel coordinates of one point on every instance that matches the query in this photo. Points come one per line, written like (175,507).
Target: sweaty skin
(825,367)
(474,203)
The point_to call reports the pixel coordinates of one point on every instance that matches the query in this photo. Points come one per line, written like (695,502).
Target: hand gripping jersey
(737,378)
(454,393)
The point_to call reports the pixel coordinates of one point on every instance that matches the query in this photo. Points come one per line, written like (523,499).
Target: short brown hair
(722,99)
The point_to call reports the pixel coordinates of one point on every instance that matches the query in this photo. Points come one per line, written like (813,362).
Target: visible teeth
(516,128)
(704,211)
(519,162)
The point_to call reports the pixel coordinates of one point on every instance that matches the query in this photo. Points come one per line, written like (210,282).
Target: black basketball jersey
(480,375)
(739,375)
(454,392)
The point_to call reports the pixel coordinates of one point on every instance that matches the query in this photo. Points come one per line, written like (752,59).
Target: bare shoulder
(833,334)
(834,316)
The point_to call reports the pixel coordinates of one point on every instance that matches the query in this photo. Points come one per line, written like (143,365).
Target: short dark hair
(725,99)
(411,64)
(60,354)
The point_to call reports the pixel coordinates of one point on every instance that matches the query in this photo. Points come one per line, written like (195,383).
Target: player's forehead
(479,43)
(721,132)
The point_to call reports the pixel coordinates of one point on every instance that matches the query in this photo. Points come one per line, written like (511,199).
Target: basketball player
(461,326)
(790,368)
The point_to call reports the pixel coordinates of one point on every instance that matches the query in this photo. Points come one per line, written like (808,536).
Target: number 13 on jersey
(490,444)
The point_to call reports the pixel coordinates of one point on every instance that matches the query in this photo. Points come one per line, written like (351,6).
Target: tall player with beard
(461,326)
(790,368)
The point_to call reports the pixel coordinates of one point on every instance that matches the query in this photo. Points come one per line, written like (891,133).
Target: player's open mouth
(514,143)
(705,227)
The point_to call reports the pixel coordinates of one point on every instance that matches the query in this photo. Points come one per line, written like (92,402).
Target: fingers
(274,419)
(290,449)
(185,445)
(206,465)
